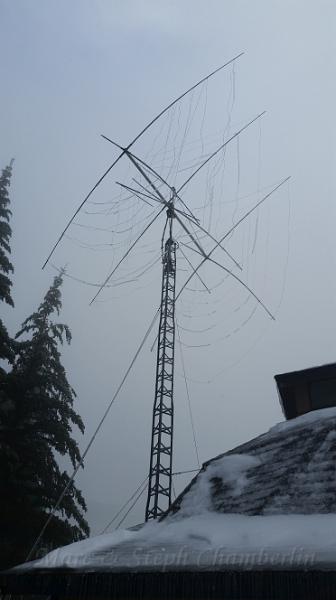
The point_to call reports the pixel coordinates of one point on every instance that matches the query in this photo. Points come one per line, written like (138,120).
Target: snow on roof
(270,503)
(306,419)
(209,540)
(289,469)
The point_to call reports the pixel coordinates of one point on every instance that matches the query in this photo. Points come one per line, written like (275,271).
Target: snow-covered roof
(207,541)
(268,504)
(291,469)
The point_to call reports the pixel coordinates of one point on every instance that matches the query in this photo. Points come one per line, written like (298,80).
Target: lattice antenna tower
(161,452)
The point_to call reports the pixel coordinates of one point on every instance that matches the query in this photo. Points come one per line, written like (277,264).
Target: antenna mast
(161,454)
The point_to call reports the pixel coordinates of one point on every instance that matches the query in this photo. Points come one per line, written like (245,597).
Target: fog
(71,71)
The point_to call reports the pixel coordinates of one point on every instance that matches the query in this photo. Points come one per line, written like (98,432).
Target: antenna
(158,193)
(161,450)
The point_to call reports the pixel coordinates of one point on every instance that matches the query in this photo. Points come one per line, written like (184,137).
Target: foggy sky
(73,70)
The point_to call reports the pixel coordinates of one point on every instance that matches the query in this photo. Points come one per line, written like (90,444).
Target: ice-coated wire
(124,506)
(188,396)
(237,279)
(162,112)
(126,254)
(131,507)
(229,232)
(192,267)
(219,149)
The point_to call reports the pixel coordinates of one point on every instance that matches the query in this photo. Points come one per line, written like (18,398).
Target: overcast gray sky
(73,70)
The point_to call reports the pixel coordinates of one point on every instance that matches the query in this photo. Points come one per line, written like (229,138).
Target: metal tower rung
(164,429)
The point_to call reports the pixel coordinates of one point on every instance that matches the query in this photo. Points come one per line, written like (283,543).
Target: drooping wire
(258,184)
(229,232)
(221,147)
(162,112)
(188,396)
(207,257)
(184,135)
(185,472)
(203,117)
(142,484)
(124,506)
(262,333)
(132,506)
(238,181)
(288,249)
(126,254)
(190,265)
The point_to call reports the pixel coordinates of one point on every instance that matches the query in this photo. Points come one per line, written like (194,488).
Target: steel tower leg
(160,470)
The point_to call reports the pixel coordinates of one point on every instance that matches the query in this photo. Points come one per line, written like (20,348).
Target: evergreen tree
(6,267)
(38,423)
